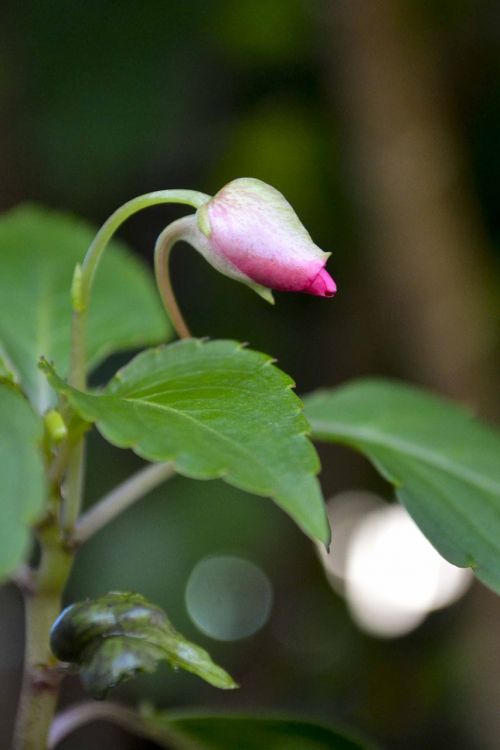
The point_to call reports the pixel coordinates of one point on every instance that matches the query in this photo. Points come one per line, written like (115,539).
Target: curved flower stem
(119,499)
(164,244)
(82,286)
(84,276)
(73,718)
(187,197)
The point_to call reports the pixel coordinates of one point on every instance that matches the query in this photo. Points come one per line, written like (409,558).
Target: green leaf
(118,635)
(22,489)
(216,410)
(245,732)
(444,464)
(7,370)
(39,251)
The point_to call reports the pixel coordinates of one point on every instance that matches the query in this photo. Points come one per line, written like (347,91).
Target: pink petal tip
(322,285)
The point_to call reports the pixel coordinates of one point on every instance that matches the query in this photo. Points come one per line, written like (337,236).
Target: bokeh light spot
(228,597)
(394,576)
(389,573)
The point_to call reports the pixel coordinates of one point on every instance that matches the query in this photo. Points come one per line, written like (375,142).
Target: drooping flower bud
(249,232)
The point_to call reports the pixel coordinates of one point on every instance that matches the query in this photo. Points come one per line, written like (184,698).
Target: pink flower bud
(250,232)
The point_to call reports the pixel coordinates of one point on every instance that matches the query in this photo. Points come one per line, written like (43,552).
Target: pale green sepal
(263,292)
(203,220)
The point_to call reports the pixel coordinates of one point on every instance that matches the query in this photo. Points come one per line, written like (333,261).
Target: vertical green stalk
(40,685)
(43,603)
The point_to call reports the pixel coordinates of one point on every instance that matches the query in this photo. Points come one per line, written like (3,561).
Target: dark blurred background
(379,121)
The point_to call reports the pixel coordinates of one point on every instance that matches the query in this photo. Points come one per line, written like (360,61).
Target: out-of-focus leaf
(445,465)
(118,635)
(39,250)
(22,484)
(216,410)
(7,370)
(188,731)
(246,733)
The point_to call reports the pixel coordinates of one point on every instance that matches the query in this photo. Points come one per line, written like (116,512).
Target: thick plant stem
(41,679)
(74,489)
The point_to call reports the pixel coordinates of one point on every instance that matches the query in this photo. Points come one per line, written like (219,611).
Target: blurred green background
(379,121)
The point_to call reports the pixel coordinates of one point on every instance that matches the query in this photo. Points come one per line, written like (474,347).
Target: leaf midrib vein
(184,415)
(403,446)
